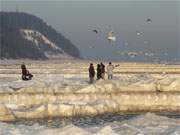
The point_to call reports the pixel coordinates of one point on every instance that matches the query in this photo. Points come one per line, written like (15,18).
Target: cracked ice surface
(145,124)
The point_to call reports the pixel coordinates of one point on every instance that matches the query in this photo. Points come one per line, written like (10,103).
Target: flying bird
(111,36)
(149,20)
(96,31)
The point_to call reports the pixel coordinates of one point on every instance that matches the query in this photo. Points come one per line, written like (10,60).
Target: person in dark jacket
(102,67)
(98,71)
(26,75)
(91,73)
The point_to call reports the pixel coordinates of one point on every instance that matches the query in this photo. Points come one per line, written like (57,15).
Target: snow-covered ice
(71,79)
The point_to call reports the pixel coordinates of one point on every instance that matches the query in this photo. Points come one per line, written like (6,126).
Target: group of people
(100,71)
(26,75)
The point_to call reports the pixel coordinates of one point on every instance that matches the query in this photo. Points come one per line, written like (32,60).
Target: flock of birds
(111,37)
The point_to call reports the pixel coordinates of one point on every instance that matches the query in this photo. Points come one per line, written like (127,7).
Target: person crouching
(26,75)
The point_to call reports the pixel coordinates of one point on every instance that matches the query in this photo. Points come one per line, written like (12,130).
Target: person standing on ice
(91,73)
(102,67)
(110,69)
(98,71)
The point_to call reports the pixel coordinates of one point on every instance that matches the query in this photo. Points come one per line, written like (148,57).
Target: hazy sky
(76,19)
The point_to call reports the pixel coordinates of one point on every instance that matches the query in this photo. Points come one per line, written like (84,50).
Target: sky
(76,20)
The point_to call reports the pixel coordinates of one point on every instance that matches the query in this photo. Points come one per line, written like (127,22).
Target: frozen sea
(107,124)
(61,79)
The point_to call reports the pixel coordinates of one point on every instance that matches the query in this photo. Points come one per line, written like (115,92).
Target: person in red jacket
(26,75)
(91,73)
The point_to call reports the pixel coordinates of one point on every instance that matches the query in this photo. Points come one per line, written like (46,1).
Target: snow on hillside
(50,49)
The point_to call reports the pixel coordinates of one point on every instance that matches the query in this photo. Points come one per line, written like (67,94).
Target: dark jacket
(102,68)
(91,71)
(98,71)
(24,70)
